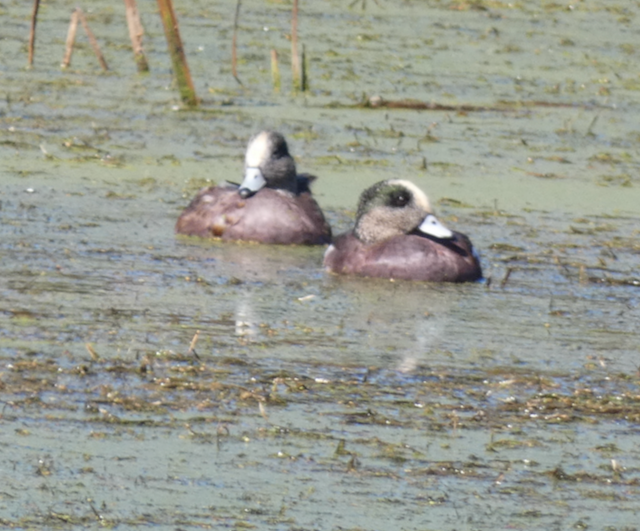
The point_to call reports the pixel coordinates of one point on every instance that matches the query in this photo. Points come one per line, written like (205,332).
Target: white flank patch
(420,197)
(258,150)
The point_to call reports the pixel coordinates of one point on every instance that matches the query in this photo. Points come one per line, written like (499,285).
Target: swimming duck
(397,236)
(272,205)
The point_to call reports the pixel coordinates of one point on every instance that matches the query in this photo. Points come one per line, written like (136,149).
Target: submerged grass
(162,382)
(231,403)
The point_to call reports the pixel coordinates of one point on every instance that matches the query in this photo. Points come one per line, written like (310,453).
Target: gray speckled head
(268,163)
(394,207)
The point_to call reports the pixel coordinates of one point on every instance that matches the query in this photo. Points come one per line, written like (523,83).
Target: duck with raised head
(272,205)
(397,236)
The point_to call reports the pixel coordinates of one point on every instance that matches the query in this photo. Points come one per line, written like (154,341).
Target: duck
(397,236)
(272,205)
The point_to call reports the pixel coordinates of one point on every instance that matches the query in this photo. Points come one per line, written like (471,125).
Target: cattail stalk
(176,51)
(71,39)
(295,58)
(234,44)
(92,39)
(32,33)
(135,34)
(275,71)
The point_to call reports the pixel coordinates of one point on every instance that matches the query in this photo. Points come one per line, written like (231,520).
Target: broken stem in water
(71,39)
(275,71)
(176,51)
(234,44)
(295,58)
(32,33)
(135,33)
(92,39)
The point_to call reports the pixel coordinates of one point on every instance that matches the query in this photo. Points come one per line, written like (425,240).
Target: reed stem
(295,58)
(32,33)
(136,33)
(176,51)
(92,39)
(71,39)
(275,71)
(234,44)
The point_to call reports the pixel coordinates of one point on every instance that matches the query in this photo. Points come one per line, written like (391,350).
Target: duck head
(394,207)
(268,163)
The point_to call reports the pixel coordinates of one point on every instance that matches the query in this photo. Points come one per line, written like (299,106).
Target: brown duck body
(397,236)
(272,205)
(271,216)
(406,256)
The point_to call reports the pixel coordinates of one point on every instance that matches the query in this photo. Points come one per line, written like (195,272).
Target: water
(311,401)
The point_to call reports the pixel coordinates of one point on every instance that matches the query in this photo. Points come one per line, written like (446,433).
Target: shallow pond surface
(153,380)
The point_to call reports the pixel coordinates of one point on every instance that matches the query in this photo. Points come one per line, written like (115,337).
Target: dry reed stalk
(135,33)
(194,340)
(71,39)
(275,71)
(295,58)
(506,277)
(92,39)
(92,352)
(192,345)
(176,51)
(234,44)
(263,410)
(32,33)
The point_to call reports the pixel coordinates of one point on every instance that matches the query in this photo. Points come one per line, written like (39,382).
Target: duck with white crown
(273,204)
(397,236)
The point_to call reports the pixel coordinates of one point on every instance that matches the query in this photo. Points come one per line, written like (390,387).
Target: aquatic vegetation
(148,380)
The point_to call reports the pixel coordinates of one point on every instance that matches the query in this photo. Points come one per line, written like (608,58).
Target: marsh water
(149,380)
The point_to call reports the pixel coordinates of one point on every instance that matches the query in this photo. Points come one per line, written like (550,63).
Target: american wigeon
(272,205)
(397,236)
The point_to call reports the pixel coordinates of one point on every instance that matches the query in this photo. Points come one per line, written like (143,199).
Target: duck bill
(253,181)
(431,225)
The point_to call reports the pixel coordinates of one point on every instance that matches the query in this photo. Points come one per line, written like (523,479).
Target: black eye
(399,199)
